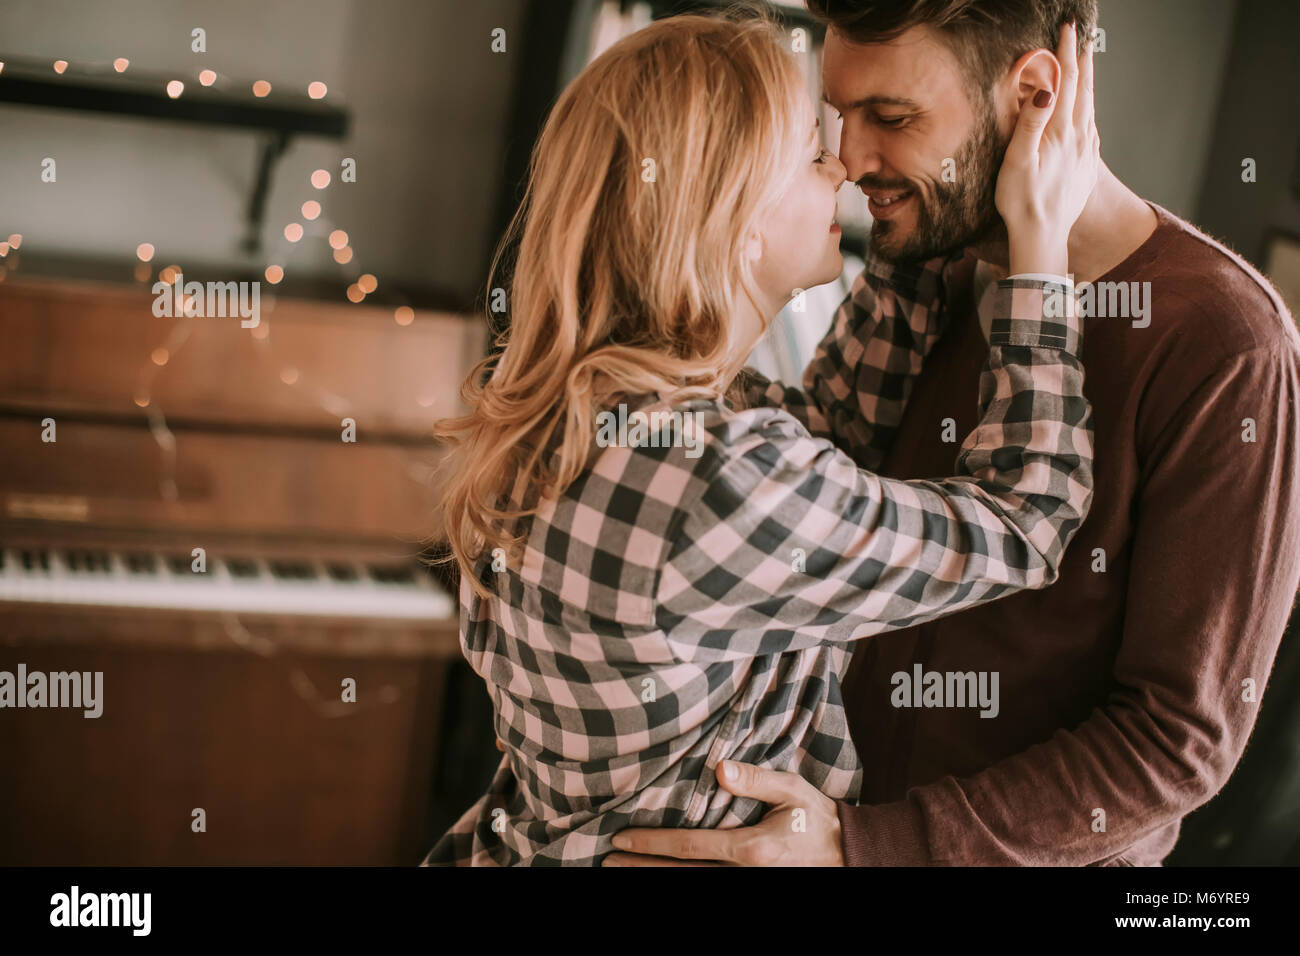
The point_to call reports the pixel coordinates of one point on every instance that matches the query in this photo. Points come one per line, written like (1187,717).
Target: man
(1127,690)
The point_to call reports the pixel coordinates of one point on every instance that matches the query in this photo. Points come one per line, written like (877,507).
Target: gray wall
(1157,88)
(1259,118)
(429,103)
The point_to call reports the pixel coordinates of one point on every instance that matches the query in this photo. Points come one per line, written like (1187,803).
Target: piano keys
(335,588)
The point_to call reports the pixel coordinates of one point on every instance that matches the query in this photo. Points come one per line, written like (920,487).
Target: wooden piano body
(222,688)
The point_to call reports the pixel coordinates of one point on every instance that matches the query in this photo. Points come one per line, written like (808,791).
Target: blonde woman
(655,577)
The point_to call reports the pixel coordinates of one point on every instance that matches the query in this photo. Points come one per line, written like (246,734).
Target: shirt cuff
(1038,313)
(1044,277)
(885,834)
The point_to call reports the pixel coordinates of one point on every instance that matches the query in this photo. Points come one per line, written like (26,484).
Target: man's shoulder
(1200,289)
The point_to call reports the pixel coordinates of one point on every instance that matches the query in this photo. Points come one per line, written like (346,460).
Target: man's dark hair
(986,36)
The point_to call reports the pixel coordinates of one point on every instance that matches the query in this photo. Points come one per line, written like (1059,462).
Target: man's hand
(785,837)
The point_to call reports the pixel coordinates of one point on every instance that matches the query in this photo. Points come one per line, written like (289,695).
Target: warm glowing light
(310,209)
(293,232)
(338,239)
(343,256)
(317,90)
(160,356)
(121,63)
(142,399)
(262,331)
(16,239)
(144,251)
(207,77)
(175,88)
(142,272)
(169,274)
(288,375)
(60,66)
(354,293)
(368,283)
(2,66)
(4,249)
(320,179)
(404,315)
(261,88)
(274,274)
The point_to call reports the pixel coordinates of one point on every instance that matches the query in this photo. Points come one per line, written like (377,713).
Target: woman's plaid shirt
(682,605)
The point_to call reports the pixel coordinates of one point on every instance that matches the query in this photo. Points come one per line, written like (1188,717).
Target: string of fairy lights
(313,223)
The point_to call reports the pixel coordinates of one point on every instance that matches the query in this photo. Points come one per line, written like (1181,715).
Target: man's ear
(1036,70)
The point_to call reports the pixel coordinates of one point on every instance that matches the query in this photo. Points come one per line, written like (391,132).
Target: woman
(646,601)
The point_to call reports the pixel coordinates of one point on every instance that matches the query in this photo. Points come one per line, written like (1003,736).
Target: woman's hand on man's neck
(1114,224)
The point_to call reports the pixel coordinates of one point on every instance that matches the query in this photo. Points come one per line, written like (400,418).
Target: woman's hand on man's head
(1051,165)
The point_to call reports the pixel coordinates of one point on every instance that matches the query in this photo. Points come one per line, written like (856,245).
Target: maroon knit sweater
(1125,694)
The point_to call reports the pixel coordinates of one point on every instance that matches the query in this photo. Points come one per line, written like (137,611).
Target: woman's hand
(801,829)
(1051,166)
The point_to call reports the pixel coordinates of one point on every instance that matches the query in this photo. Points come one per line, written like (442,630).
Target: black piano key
(87,562)
(241,567)
(35,559)
(293,570)
(392,573)
(182,564)
(341,572)
(141,563)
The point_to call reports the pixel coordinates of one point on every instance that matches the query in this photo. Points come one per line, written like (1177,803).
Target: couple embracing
(692,657)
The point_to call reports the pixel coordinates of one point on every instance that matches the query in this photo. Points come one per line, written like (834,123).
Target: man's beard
(957,214)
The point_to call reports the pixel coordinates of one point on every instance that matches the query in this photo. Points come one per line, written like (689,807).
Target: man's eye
(893,121)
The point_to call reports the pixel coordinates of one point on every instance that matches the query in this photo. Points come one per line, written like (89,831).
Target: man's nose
(859,153)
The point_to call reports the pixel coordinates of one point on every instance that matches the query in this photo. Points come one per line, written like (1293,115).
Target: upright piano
(230,524)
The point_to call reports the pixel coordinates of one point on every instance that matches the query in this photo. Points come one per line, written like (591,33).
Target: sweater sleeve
(1214,572)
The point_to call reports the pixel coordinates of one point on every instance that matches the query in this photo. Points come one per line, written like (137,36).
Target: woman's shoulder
(698,436)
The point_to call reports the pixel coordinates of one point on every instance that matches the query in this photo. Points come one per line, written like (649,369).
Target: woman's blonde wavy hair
(653,166)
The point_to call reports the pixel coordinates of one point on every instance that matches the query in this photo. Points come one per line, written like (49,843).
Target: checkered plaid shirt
(673,610)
